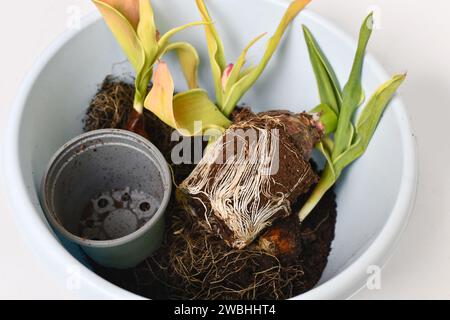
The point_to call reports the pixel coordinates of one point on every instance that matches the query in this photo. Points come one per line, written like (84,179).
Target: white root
(238,189)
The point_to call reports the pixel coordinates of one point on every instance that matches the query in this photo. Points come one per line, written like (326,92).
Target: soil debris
(287,260)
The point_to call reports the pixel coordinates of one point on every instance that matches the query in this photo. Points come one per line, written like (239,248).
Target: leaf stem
(138,104)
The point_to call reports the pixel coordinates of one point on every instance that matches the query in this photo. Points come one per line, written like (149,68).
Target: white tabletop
(413,37)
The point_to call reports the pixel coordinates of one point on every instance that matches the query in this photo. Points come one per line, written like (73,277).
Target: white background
(414,37)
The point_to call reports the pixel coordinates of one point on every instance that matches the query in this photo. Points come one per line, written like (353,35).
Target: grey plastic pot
(92,164)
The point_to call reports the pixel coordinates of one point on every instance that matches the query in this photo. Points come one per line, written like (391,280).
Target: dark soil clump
(194,264)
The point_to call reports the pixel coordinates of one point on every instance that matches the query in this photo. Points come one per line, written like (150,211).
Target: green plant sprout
(346,140)
(231,81)
(132,23)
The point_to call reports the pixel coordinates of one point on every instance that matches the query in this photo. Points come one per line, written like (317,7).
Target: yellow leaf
(124,32)
(146,30)
(245,83)
(128,8)
(235,74)
(191,113)
(195,113)
(163,42)
(189,61)
(159,99)
(216,51)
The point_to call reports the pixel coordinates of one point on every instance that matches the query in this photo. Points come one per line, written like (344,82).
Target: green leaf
(189,61)
(353,94)
(124,33)
(351,141)
(216,51)
(141,83)
(328,117)
(328,145)
(371,115)
(329,88)
(365,128)
(324,148)
(327,180)
(368,121)
(244,84)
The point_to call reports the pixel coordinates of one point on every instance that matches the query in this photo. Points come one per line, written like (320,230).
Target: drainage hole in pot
(102,203)
(116,214)
(145,206)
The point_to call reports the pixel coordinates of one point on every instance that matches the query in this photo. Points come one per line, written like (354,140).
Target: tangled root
(194,264)
(198,265)
(110,107)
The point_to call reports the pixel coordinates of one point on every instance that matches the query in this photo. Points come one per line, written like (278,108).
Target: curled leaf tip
(295,7)
(128,8)
(159,99)
(120,21)
(189,61)
(369,22)
(300,3)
